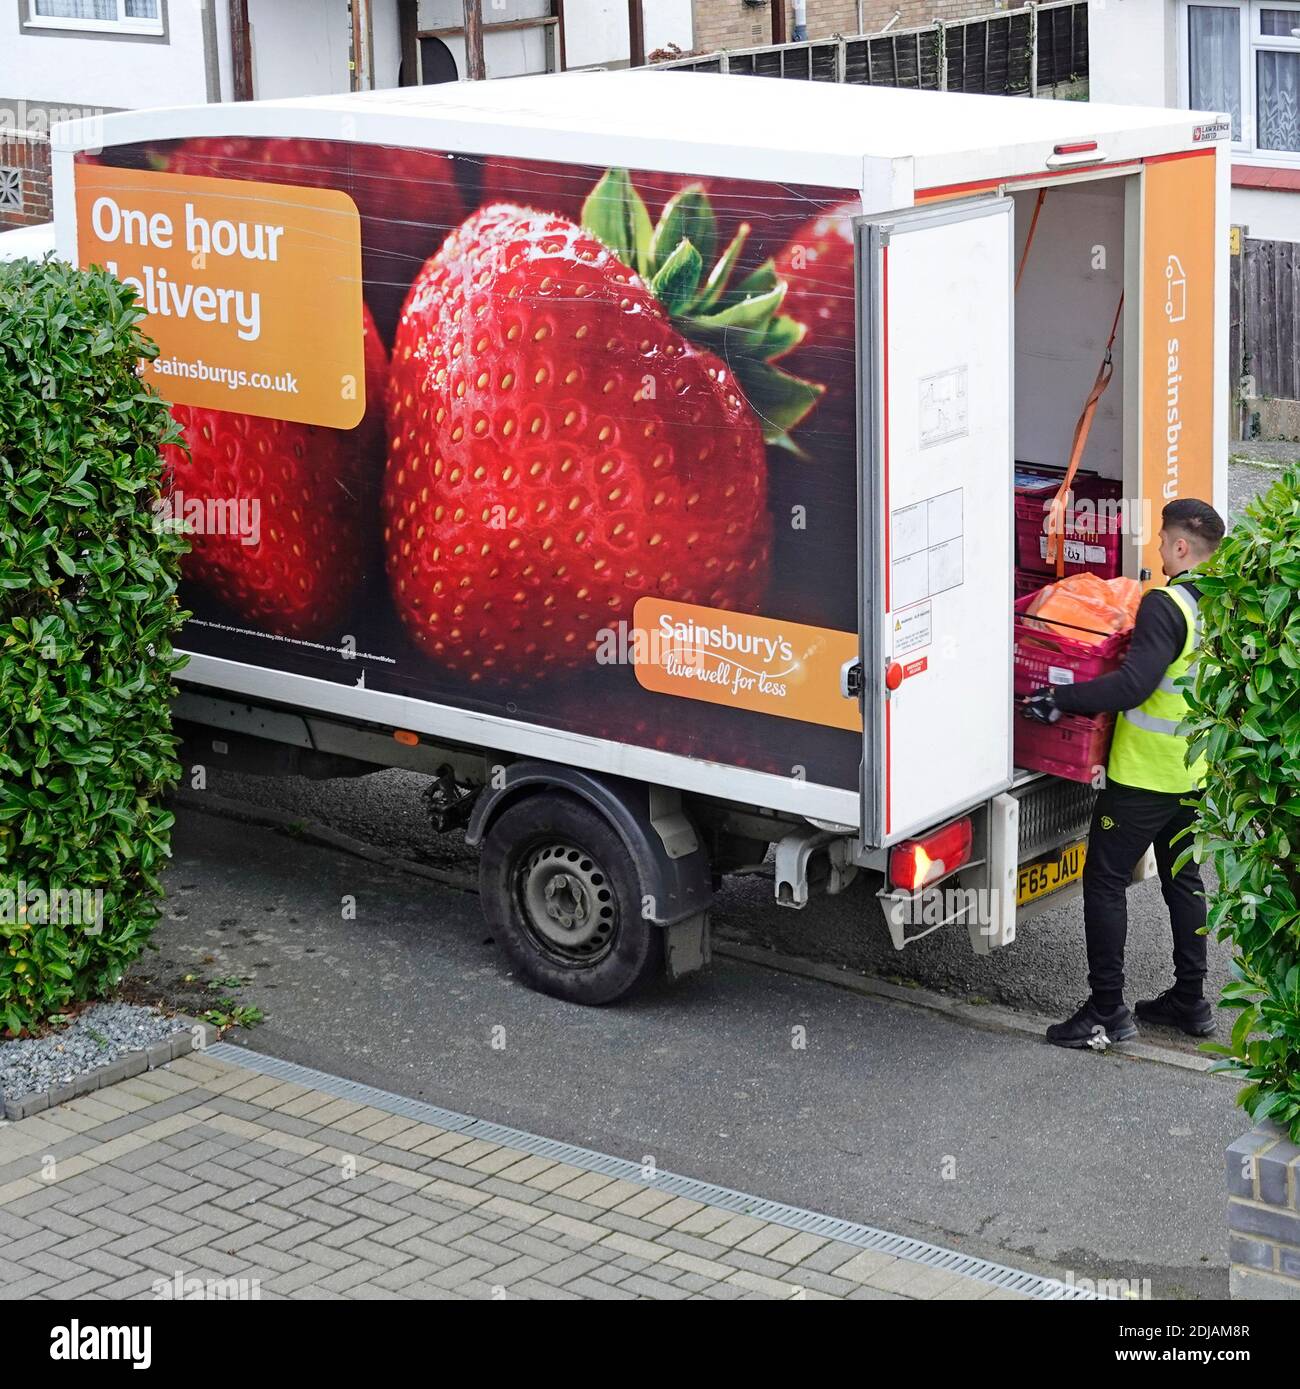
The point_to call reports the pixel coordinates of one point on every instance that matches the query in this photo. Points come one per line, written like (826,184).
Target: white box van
(635,452)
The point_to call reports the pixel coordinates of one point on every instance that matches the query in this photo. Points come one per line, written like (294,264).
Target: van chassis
(676,846)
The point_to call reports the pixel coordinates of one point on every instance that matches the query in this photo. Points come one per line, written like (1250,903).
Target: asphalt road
(893,1115)
(1045,970)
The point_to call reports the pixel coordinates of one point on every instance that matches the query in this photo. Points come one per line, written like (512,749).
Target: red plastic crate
(1042,653)
(1073,747)
(1029,584)
(1093,550)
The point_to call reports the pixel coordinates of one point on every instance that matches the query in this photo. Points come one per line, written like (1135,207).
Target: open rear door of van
(935,395)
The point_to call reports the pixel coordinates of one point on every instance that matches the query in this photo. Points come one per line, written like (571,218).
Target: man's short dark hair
(1197,520)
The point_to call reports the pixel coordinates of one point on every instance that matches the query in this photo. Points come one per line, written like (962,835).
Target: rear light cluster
(916,862)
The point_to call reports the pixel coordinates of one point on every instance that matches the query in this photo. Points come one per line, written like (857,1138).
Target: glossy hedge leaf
(88,609)
(1245,707)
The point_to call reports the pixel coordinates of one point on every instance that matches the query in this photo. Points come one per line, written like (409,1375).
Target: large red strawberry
(281,516)
(577,417)
(408,199)
(817,266)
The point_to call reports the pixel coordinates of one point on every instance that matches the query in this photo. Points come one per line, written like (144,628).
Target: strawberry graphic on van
(407,198)
(577,416)
(281,515)
(817,264)
(773,212)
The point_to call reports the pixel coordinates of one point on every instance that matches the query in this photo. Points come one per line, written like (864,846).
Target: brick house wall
(24,174)
(733,24)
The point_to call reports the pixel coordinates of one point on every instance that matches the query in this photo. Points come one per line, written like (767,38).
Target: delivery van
(643,454)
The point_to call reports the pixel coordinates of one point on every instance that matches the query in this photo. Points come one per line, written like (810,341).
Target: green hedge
(88,609)
(1246,715)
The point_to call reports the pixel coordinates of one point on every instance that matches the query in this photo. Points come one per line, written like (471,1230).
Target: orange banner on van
(1178,384)
(252,290)
(758,663)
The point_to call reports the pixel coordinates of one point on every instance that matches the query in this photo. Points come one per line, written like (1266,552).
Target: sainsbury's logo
(733,660)
(694,637)
(695,651)
(744,661)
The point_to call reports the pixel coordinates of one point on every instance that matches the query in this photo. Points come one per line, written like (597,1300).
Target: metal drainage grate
(706,1193)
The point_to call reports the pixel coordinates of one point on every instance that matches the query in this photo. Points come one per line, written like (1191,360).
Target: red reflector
(915,862)
(1082,147)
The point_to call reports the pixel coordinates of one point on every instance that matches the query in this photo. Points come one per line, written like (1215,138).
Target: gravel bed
(96,1038)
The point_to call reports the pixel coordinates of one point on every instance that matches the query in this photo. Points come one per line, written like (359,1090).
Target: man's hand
(1041,705)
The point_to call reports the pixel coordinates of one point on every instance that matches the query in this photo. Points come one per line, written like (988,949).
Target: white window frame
(123,24)
(1253,42)
(1261,42)
(1247,143)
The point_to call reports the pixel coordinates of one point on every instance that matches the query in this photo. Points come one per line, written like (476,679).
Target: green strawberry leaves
(742,324)
(677,279)
(615,213)
(687,217)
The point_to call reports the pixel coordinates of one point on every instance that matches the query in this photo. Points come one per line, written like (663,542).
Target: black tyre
(561,893)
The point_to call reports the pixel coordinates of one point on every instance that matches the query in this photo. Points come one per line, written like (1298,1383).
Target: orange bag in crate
(1126,594)
(1086,608)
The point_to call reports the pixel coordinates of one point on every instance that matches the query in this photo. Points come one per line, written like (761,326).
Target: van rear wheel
(561,893)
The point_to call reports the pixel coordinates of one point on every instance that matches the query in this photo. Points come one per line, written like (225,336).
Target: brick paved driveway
(203,1170)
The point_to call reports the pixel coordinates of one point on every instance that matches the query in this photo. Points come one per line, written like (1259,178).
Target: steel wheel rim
(567,903)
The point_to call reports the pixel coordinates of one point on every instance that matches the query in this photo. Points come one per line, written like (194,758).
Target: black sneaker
(1193,1016)
(1090,1027)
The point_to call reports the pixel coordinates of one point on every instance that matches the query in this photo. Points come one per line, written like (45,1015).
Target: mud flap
(687,945)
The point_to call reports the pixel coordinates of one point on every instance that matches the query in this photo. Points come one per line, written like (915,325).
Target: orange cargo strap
(1029,239)
(1056,514)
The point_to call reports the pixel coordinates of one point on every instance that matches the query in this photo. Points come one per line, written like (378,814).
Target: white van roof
(883,141)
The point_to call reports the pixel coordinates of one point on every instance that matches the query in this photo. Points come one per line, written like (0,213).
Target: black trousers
(1125,822)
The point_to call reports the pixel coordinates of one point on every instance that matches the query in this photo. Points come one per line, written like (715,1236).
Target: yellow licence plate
(1043,878)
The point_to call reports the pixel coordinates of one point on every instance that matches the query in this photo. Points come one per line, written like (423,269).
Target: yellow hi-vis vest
(1147,750)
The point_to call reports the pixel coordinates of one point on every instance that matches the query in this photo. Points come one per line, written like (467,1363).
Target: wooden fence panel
(1265,317)
(993,54)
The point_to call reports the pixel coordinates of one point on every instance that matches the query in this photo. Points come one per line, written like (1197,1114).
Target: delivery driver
(1147,781)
